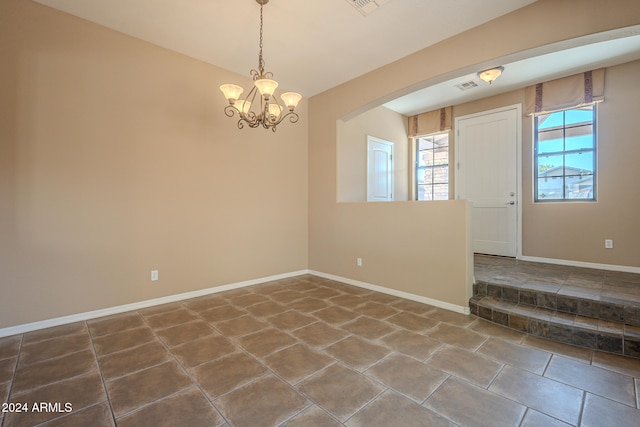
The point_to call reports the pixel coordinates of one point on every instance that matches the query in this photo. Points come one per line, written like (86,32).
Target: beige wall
(576,231)
(116,158)
(543,22)
(351,138)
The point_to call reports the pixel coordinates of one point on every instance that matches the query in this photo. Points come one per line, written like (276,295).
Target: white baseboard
(58,321)
(396,293)
(609,267)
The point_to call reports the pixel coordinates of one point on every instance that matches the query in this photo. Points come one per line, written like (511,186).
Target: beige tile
(223,375)
(187,408)
(116,323)
(185,332)
(368,327)
(312,416)
(265,402)
(319,334)
(123,340)
(10,346)
(621,364)
(323,292)
(472,367)
(542,394)
(171,318)
(572,351)
(412,322)
(391,409)
(194,353)
(376,310)
(335,315)
(357,353)
(53,370)
(290,320)
(7,369)
(308,304)
(485,327)
(55,332)
(411,344)
(457,336)
(95,416)
(602,382)
(125,362)
(268,308)
(347,301)
(599,412)
(471,406)
(516,355)
(243,325)
(204,303)
(534,418)
(266,341)
(79,392)
(340,390)
(451,317)
(143,387)
(222,313)
(43,350)
(412,306)
(297,362)
(408,376)
(248,299)
(287,296)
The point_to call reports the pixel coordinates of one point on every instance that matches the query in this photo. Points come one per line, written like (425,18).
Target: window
(565,155)
(432,167)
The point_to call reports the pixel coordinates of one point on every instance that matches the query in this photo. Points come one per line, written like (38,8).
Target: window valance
(430,122)
(568,92)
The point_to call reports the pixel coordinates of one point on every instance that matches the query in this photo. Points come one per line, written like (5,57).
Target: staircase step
(579,319)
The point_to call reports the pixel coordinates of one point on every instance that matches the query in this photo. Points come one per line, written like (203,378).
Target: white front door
(487,175)
(379,170)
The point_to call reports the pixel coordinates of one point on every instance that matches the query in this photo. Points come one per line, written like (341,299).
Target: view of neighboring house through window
(565,155)
(432,167)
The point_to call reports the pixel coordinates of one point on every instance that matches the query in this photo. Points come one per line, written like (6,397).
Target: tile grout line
(102,380)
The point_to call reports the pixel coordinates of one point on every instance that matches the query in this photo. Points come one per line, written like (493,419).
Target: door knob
(511,203)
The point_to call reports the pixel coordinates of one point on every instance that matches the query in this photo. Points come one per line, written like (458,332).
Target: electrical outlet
(154,275)
(359,262)
(608,244)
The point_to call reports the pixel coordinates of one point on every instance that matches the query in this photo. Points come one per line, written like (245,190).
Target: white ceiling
(312,46)
(309,45)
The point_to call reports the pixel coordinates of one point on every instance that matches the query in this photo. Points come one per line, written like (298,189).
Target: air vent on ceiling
(365,7)
(467,85)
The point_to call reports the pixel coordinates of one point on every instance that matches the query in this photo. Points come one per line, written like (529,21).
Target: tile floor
(308,351)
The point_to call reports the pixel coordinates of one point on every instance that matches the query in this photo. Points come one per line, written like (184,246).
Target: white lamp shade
(275,110)
(231,92)
(490,75)
(291,99)
(243,106)
(266,86)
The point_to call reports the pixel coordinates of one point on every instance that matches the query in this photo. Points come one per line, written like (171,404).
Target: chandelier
(267,111)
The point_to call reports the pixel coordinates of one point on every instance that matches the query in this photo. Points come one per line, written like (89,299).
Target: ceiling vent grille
(467,85)
(365,7)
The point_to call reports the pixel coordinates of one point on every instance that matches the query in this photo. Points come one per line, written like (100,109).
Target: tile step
(570,328)
(581,302)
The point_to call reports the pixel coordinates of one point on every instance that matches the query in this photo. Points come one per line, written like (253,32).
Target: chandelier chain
(260,60)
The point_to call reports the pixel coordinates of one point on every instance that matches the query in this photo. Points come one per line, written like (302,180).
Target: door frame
(518,112)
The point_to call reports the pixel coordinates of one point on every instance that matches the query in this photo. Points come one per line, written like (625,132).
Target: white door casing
(487,157)
(379,170)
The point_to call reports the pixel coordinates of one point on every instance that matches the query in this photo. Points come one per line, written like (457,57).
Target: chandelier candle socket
(268,113)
